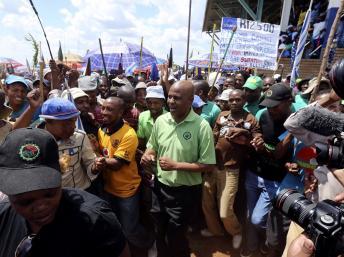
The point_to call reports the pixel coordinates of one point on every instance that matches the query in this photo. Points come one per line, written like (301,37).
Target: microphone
(321,121)
(314,124)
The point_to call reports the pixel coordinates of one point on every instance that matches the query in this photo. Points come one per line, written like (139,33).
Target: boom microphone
(314,124)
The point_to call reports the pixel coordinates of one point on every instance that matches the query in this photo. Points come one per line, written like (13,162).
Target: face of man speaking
(180,99)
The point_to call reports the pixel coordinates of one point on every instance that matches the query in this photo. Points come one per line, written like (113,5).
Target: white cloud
(81,25)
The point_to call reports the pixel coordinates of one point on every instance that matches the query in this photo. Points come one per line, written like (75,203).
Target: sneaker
(236,241)
(245,253)
(206,233)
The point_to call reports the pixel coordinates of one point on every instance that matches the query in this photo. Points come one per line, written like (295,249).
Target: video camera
(323,222)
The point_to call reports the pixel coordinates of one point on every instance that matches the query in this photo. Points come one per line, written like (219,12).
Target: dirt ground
(212,246)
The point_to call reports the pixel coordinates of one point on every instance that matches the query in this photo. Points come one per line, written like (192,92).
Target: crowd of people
(316,32)
(127,166)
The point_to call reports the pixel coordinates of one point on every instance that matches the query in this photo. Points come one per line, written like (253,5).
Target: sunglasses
(24,246)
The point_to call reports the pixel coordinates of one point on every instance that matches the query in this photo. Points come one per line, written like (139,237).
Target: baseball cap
(118,81)
(155,92)
(140,85)
(58,109)
(276,94)
(46,71)
(253,83)
(313,83)
(45,82)
(29,161)
(197,102)
(225,95)
(11,79)
(75,92)
(88,83)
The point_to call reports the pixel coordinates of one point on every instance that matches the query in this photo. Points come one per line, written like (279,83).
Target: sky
(79,23)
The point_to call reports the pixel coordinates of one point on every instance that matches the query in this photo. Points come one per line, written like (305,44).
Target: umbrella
(203,60)
(73,60)
(123,52)
(9,61)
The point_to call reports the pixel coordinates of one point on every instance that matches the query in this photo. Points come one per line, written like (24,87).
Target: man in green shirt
(182,147)
(253,91)
(155,99)
(210,110)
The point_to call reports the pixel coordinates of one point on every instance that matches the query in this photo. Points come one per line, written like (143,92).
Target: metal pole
(188,42)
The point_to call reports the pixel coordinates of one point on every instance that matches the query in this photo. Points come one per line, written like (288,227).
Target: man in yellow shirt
(118,142)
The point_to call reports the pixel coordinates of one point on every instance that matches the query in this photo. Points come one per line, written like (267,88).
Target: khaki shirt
(76,159)
(5,129)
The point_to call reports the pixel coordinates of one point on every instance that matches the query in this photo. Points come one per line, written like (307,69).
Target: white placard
(254,44)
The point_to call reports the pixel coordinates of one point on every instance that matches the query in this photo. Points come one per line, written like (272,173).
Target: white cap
(46,71)
(155,92)
(225,95)
(75,92)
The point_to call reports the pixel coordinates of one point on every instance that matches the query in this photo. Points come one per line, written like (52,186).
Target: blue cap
(197,102)
(11,79)
(58,109)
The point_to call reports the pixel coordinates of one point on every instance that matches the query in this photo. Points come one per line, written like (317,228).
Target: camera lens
(329,155)
(295,205)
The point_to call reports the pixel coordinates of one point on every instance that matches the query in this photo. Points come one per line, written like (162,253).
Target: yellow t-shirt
(122,145)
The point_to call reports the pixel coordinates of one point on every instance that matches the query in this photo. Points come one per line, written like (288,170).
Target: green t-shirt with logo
(188,141)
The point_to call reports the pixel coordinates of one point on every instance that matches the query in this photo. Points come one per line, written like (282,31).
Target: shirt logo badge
(115,143)
(105,152)
(187,135)
(29,152)
(269,93)
(126,155)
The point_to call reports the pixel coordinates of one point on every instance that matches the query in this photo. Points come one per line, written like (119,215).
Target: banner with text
(254,45)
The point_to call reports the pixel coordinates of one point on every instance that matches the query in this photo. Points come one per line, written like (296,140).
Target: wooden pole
(104,65)
(188,42)
(41,91)
(224,56)
(211,50)
(327,50)
(45,35)
(141,53)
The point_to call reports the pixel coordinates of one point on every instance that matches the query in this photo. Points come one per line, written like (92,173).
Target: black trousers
(172,208)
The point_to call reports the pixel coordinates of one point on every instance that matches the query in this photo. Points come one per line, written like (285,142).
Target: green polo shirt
(145,126)
(188,141)
(210,111)
(252,108)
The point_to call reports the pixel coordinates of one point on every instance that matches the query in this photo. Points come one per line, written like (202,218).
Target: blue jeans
(259,192)
(128,213)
